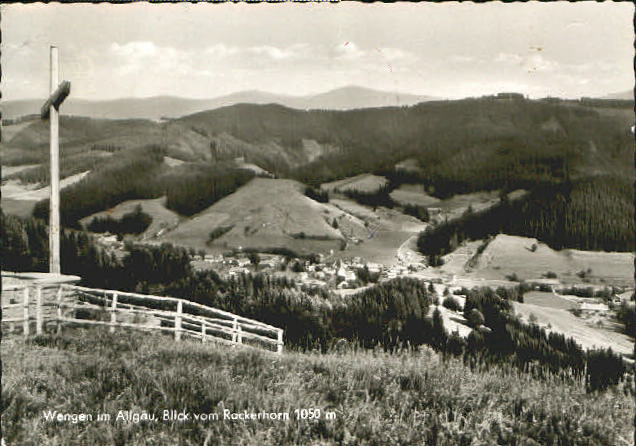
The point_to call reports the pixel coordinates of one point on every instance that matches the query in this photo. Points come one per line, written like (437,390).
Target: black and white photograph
(317,224)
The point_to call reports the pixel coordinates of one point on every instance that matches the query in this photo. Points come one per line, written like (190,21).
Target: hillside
(473,144)
(264,213)
(159,107)
(453,148)
(363,397)
(162,218)
(506,255)
(622,95)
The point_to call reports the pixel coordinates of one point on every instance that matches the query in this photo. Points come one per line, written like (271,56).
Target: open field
(19,208)
(18,191)
(456,205)
(264,213)
(162,218)
(8,170)
(19,199)
(548,300)
(413,194)
(362,183)
(507,254)
(364,397)
(586,333)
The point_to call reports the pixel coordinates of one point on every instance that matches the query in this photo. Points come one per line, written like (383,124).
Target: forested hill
(460,146)
(454,147)
(484,141)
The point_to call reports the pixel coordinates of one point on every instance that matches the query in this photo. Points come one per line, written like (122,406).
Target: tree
(439,334)
(254,258)
(452,304)
(475,318)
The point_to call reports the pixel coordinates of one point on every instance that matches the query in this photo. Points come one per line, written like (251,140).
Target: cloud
(508,58)
(396,54)
(220,50)
(134,49)
(276,53)
(538,63)
(459,58)
(348,51)
(530,63)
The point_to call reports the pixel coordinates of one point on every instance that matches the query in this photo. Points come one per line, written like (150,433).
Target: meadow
(366,397)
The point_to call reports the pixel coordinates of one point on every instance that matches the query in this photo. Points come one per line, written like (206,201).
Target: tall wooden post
(54,210)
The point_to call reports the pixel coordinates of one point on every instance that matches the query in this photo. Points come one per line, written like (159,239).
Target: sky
(449,50)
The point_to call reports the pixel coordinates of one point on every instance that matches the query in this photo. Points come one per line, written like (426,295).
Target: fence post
(234,331)
(177,321)
(39,322)
(203,331)
(58,324)
(25,305)
(279,346)
(113,314)
(239,335)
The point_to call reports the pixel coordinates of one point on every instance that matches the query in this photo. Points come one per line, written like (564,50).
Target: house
(345,274)
(243,262)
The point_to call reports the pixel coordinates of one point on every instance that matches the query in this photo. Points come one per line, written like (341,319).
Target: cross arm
(56,99)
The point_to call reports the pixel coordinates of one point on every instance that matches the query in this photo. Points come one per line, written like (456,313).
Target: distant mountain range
(626,95)
(345,98)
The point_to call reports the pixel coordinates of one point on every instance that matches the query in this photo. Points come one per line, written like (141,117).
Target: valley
(320,197)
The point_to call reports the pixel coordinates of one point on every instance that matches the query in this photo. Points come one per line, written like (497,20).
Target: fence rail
(65,304)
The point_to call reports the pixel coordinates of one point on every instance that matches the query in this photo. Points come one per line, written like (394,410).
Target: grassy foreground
(376,398)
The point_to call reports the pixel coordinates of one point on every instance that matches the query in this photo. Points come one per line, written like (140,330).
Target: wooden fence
(69,304)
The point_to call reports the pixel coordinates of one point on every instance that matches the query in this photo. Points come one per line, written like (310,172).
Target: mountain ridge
(158,107)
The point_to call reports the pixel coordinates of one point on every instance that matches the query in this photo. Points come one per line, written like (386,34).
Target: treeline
(68,166)
(129,176)
(626,314)
(391,314)
(509,340)
(142,174)
(134,222)
(471,145)
(317,194)
(590,214)
(379,197)
(197,191)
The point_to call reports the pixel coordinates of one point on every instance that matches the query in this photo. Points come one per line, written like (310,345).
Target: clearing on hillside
(413,194)
(265,213)
(19,199)
(585,332)
(506,255)
(162,218)
(362,183)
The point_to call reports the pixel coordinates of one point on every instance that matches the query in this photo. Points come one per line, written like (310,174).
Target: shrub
(604,369)
(452,304)
(475,318)
(218,232)
(321,196)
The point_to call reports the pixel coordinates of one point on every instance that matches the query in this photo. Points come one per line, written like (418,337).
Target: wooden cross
(50,111)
